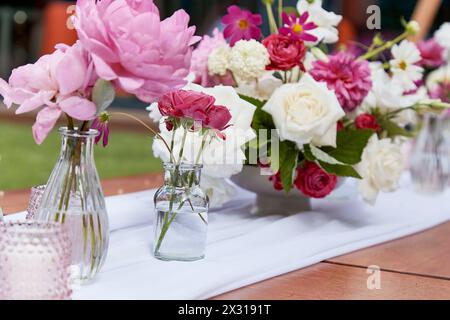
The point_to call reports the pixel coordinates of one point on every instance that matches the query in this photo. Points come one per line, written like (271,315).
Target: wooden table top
(415,267)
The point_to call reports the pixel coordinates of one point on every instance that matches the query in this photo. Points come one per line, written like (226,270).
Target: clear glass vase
(430,167)
(181,221)
(74,197)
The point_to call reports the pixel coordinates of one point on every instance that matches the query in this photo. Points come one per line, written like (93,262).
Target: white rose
(381,167)
(326,21)
(219,61)
(305,112)
(248,60)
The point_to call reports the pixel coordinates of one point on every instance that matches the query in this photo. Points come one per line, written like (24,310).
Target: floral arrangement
(336,114)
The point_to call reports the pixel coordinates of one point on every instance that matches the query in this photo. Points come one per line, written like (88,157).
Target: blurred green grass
(24,164)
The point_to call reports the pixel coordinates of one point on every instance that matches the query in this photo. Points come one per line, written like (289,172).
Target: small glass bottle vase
(74,197)
(430,159)
(181,209)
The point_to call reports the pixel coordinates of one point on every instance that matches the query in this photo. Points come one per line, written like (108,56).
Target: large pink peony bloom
(131,46)
(348,77)
(59,82)
(199,65)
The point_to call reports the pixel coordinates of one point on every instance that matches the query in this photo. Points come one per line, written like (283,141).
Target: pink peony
(241,25)
(199,65)
(59,82)
(298,27)
(347,76)
(432,53)
(131,46)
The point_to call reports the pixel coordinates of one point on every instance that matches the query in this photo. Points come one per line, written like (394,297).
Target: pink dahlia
(132,47)
(199,65)
(432,53)
(347,76)
(241,25)
(297,27)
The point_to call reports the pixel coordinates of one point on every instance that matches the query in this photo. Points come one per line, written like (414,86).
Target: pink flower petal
(45,121)
(78,108)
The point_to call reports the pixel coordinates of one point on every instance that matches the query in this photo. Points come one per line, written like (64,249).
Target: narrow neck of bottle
(182,176)
(76,145)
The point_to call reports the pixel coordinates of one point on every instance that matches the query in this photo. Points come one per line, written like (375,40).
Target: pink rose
(285,52)
(186,104)
(196,106)
(218,118)
(367,121)
(314,182)
(59,82)
(131,46)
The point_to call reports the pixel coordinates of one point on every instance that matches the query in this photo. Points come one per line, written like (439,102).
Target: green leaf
(350,146)
(103,95)
(288,163)
(323,156)
(307,153)
(394,129)
(261,119)
(340,170)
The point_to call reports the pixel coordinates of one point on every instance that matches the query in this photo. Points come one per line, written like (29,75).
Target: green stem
(280,13)
(148,128)
(272,22)
(387,45)
(70,124)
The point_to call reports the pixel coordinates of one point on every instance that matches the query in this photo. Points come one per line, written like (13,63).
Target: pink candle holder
(34,261)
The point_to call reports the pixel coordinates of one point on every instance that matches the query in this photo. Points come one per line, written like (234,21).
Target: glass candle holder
(35,201)
(34,261)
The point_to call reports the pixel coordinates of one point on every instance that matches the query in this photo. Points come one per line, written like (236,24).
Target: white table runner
(244,249)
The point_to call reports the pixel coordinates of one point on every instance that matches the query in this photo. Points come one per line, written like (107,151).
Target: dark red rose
(367,121)
(340,126)
(285,52)
(276,180)
(314,182)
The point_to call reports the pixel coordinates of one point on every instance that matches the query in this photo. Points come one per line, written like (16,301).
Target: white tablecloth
(244,249)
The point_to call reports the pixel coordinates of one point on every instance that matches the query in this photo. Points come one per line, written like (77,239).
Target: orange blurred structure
(56,25)
(347,32)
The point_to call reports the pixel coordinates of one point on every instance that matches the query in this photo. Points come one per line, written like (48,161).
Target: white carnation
(381,167)
(248,60)
(219,61)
